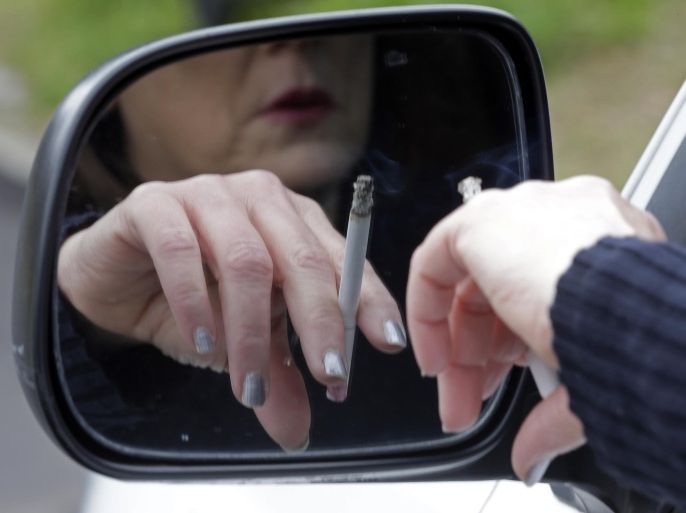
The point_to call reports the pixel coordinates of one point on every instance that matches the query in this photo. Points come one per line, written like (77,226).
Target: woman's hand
(481,286)
(206,269)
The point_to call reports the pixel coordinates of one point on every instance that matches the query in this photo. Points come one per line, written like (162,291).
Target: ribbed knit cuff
(619,321)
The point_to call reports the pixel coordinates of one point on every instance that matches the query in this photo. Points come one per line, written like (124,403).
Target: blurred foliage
(55,42)
(562,29)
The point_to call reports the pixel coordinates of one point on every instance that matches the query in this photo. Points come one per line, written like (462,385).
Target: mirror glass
(418,111)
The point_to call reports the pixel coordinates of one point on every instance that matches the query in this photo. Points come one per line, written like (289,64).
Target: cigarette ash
(363,196)
(469,187)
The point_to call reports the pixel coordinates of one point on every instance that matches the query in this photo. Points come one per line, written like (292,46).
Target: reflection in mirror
(197,313)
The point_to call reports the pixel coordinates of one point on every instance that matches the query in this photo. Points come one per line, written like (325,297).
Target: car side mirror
(418,98)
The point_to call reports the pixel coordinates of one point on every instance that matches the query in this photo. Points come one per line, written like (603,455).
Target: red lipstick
(300,106)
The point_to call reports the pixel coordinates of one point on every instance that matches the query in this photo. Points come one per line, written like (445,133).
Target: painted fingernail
(337,393)
(394,333)
(334,365)
(204,342)
(537,472)
(253,390)
(301,448)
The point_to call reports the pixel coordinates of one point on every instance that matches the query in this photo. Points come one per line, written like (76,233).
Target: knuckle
(249,339)
(248,259)
(185,295)
(205,182)
(264,180)
(146,200)
(310,209)
(598,184)
(323,315)
(177,244)
(147,191)
(656,229)
(311,258)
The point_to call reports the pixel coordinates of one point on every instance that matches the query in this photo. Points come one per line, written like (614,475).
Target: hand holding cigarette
(224,258)
(545,377)
(479,295)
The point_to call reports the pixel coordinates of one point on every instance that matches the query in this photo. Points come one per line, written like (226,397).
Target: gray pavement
(35,476)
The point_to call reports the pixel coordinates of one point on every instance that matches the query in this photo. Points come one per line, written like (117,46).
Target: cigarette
(354,259)
(546,379)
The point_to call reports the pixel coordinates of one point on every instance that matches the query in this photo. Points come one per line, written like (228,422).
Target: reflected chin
(312,165)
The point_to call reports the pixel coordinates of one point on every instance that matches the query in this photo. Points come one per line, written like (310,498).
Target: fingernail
(301,448)
(394,333)
(337,393)
(537,472)
(334,365)
(425,374)
(514,353)
(253,390)
(204,342)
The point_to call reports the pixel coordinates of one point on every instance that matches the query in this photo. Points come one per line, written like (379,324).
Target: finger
(494,373)
(507,346)
(472,324)
(163,227)
(378,313)
(243,268)
(435,271)
(285,414)
(459,397)
(646,224)
(306,274)
(550,429)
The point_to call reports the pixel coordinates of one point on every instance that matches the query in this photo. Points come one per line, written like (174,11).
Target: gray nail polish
(537,472)
(301,448)
(394,333)
(334,365)
(204,342)
(253,390)
(337,393)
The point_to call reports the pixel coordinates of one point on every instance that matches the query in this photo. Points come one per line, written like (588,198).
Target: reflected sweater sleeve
(619,319)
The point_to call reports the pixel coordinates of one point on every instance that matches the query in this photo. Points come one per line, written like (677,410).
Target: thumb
(550,429)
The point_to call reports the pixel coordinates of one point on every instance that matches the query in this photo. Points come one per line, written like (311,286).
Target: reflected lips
(300,107)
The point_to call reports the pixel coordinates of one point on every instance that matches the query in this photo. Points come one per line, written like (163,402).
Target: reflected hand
(480,289)
(206,269)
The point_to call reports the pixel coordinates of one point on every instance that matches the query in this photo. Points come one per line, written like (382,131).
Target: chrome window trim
(659,153)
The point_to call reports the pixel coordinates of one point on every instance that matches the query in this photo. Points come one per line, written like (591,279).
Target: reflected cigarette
(353,267)
(546,379)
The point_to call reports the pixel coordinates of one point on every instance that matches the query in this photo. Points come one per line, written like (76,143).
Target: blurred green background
(612,66)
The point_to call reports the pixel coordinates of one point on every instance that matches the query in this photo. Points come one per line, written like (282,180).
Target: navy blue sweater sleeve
(619,321)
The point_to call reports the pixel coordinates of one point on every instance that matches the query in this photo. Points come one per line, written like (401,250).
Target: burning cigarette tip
(363,195)
(469,187)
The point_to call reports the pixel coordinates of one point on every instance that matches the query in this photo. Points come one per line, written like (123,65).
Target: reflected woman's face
(300,109)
